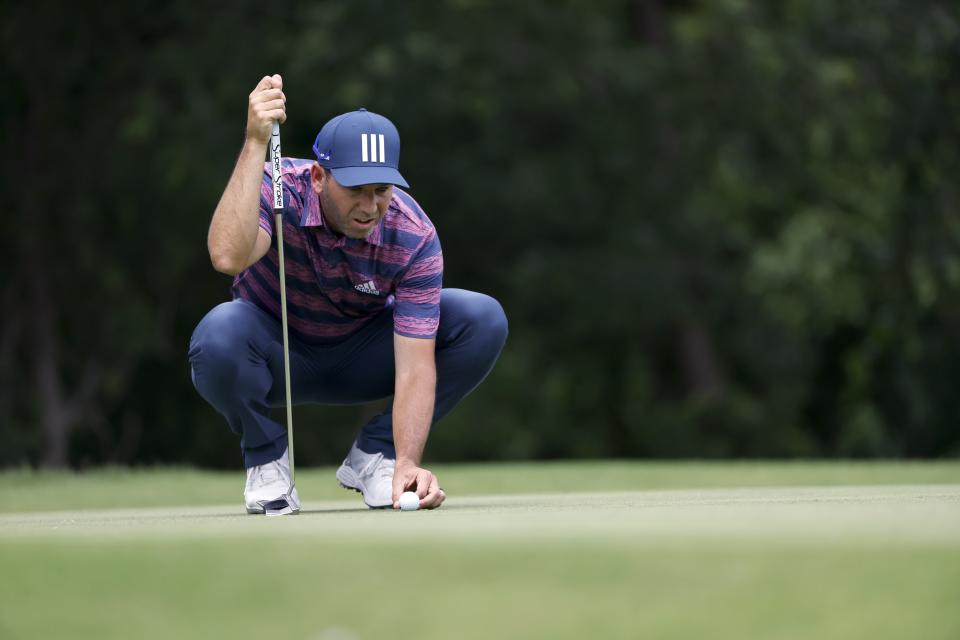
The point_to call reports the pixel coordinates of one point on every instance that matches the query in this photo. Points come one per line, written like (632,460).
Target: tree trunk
(648,22)
(53,414)
(699,362)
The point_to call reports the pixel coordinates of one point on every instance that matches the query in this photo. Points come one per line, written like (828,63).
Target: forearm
(413,412)
(233,230)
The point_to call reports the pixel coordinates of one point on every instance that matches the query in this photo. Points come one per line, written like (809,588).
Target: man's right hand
(266,105)
(235,239)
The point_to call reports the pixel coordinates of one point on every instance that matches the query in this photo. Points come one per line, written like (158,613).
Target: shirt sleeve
(416,313)
(293,202)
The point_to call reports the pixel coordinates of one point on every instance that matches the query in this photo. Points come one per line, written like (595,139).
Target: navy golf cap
(360,147)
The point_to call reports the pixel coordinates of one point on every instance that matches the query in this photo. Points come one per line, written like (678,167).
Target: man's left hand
(409,477)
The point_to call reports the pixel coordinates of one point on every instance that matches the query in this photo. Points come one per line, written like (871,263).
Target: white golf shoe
(268,488)
(371,474)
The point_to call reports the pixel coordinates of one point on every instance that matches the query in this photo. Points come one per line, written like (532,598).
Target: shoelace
(264,474)
(385,471)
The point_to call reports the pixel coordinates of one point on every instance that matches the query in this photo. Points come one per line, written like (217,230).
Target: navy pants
(236,362)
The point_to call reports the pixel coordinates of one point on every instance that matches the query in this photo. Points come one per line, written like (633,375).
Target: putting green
(776,557)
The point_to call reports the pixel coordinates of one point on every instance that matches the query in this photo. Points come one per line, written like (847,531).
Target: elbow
(225,263)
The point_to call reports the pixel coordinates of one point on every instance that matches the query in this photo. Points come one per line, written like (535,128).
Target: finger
(422,481)
(413,481)
(270,116)
(272,105)
(265,83)
(266,107)
(276,81)
(400,482)
(397,490)
(265,95)
(259,110)
(434,497)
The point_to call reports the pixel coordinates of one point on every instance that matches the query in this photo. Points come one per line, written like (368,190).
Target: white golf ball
(409,501)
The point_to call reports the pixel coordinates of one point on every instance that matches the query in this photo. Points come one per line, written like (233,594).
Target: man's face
(353,211)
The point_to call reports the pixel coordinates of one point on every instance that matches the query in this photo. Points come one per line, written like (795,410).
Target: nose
(368,202)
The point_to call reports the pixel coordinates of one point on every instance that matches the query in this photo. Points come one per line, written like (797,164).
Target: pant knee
(219,349)
(479,316)
(492,320)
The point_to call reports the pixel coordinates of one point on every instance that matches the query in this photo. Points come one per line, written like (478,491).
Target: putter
(281,507)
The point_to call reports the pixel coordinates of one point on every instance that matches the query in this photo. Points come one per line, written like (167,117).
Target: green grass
(245,588)
(24,490)
(559,550)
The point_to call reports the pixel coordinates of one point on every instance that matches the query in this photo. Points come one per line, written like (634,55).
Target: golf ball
(409,501)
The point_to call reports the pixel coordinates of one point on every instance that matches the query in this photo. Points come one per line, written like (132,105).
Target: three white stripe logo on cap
(375,140)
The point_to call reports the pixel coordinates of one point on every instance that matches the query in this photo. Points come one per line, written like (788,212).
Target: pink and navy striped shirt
(336,285)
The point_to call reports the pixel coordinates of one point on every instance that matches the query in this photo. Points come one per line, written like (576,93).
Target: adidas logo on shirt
(368,287)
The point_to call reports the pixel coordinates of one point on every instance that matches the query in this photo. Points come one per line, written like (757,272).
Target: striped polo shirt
(336,285)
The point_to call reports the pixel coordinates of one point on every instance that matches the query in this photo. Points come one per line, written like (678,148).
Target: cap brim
(356,176)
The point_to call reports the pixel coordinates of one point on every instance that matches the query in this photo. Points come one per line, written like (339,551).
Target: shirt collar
(312,216)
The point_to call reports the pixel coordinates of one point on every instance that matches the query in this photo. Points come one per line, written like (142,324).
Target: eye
(356,189)
(382,190)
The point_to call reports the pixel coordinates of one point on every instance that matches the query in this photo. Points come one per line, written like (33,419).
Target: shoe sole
(348,480)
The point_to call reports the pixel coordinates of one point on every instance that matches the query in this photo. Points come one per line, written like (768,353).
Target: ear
(317,173)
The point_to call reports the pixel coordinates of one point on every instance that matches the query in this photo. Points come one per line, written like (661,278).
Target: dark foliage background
(719,229)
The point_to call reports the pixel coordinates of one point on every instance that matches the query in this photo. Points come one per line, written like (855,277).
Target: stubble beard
(331,214)
(334,218)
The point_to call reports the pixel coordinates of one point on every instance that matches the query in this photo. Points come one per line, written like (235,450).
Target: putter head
(279,507)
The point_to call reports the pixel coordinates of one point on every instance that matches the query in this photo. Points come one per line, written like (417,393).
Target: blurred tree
(114,178)
(718,228)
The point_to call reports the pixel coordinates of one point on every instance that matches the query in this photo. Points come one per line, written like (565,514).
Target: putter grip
(275,156)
